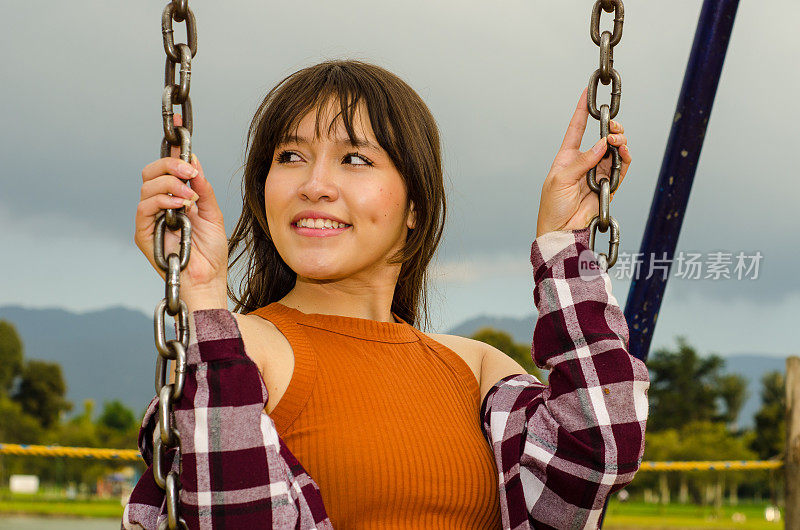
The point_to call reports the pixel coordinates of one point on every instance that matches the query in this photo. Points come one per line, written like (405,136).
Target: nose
(319,183)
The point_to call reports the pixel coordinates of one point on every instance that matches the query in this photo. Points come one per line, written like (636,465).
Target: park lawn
(679,516)
(13,504)
(620,516)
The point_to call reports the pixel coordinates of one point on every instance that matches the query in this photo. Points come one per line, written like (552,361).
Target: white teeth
(319,223)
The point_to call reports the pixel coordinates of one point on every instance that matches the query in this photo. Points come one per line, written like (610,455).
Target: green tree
(733,391)
(117,416)
(699,440)
(41,392)
(770,435)
(10,356)
(117,426)
(505,343)
(702,440)
(683,387)
(78,431)
(15,425)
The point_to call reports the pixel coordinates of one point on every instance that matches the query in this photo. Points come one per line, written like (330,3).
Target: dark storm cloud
(82,87)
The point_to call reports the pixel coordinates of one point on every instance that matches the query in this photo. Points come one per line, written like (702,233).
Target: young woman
(319,402)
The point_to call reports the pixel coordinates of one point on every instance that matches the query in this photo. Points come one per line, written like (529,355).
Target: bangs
(337,95)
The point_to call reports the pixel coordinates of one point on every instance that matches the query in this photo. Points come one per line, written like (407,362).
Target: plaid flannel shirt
(560,449)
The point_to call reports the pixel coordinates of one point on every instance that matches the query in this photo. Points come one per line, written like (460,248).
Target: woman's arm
(235,472)
(561,449)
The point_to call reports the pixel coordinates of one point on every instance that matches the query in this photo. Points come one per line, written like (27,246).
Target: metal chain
(168,439)
(605,74)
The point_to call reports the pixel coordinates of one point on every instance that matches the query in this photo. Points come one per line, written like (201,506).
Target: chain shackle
(616,93)
(159,452)
(185,226)
(182,324)
(160,466)
(605,74)
(162,370)
(605,205)
(173,520)
(606,58)
(185,75)
(616,169)
(185,145)
(612,151)
(605,122)
(172,133)
(606,260)
(167,438)
(178,13)
(619,19)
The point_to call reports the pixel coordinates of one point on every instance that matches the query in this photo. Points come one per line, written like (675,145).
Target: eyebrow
(359,142)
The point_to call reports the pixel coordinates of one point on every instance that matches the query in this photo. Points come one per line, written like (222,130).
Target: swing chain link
(167,439)
(605,74)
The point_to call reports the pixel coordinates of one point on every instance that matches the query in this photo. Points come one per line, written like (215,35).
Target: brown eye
(355,159)
(284,157)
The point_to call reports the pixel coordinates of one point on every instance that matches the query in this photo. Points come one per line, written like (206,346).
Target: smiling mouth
(320,232)
(319,224)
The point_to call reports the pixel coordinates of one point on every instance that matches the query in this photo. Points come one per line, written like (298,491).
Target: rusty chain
(168,437)
(605,74)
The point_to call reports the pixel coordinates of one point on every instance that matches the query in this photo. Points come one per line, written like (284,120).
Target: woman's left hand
(567,203)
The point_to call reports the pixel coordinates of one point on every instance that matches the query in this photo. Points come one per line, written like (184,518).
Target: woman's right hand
(204,279)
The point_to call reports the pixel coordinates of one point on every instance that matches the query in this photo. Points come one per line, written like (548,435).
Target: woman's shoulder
(458,343)
(471,351)
(488,363)
(259,331)
(270,350)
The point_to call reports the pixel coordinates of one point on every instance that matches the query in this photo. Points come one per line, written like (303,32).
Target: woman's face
(317,183)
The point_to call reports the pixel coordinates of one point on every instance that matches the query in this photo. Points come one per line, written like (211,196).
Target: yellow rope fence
(133,455)
(69,452)
(723,465)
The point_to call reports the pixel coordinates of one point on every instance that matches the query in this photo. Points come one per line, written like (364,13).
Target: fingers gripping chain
(168,438)
(605,74)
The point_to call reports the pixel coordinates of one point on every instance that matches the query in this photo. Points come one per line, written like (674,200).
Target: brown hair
(404,128)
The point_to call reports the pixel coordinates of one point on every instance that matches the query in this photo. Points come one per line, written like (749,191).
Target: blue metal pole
(677,170)
(678,167)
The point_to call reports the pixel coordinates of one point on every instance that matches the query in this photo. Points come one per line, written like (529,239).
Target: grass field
(620,516)
(631,515)
(50,505)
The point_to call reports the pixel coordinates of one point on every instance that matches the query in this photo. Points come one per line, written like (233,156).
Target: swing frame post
(678,167)
(714,27)
(792,452)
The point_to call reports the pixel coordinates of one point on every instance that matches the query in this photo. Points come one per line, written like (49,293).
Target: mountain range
(110,353)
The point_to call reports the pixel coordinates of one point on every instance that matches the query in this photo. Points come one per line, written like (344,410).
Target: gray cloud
(81,113)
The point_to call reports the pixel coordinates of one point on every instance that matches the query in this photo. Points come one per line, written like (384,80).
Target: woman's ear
(411,220)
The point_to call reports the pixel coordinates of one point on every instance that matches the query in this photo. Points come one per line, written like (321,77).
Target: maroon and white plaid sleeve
(561,449)
(236,471)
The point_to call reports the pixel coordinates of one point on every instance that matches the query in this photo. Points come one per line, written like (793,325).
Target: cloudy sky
(81,116)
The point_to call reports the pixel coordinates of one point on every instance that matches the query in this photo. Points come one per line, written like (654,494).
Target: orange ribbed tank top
(386,421)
